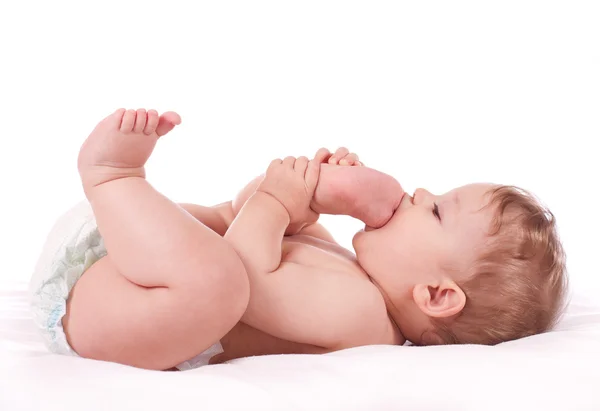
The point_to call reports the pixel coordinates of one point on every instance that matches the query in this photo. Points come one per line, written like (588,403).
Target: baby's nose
(420,195)
(417,196)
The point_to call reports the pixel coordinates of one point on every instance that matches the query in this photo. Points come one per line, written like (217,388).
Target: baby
(481,264)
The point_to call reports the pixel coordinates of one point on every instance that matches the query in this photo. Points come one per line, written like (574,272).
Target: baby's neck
(394,330)
(398,338)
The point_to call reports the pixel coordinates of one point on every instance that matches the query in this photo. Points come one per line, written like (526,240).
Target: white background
(437,94)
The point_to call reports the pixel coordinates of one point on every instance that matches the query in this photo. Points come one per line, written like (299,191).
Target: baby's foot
(121,144)
(360,192)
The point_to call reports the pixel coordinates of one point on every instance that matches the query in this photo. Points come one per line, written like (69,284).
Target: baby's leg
(169,287)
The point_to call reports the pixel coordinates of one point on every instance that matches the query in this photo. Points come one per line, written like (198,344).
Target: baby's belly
(246,341)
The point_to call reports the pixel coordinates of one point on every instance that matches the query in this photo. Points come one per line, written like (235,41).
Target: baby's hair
(518,285)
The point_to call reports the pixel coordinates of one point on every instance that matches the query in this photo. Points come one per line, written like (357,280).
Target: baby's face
(426,234)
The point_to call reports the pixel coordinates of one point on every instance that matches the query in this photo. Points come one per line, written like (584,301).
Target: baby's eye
(436,212)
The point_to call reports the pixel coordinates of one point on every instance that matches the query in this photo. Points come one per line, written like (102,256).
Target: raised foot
(360,192)
(120,145)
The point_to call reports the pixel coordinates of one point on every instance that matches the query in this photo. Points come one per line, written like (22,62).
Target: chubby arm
(243,196)
(308,305)
(256,234)
(282,198)
(314,230)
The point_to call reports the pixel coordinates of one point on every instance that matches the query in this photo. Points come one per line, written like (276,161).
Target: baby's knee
(233,286)
(222,283)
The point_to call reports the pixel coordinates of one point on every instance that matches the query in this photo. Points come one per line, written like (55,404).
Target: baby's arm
(294,302)
(282,197)
(256,234)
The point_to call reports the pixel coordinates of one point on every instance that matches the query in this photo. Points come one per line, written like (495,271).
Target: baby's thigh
(112,319)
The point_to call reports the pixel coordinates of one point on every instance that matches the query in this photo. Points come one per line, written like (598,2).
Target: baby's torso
(309,252)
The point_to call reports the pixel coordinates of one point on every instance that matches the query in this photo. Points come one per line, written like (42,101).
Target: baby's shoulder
(338,299)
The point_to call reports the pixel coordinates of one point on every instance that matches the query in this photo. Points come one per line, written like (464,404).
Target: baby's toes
(166,122)
(152,122)
(128,121)
(322,156)
(140,121)
(339,154)
(116,116)
(350,160)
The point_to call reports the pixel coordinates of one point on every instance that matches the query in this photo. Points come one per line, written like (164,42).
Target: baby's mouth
(406,202)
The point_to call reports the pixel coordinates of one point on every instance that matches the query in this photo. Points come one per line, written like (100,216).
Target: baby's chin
(359,242)
(357,239)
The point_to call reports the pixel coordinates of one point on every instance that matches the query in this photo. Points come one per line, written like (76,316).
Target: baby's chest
(312,252)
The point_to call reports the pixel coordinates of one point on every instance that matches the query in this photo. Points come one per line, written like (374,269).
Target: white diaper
(73,245)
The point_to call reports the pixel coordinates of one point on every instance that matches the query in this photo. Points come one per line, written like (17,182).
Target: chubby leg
(218,218)
(169,287)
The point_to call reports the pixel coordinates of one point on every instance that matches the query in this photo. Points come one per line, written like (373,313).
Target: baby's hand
(292,182)
(342,157)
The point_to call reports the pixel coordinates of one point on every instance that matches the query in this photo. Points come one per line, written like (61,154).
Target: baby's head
(481,264)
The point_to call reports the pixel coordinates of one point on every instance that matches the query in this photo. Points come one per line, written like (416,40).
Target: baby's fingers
(301,165)
(274,164)
(351,159)
(338,155)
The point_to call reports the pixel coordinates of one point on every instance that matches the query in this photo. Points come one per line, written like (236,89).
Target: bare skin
(313,247)
(244,340)
(174,286)
(336,193)
(177,286)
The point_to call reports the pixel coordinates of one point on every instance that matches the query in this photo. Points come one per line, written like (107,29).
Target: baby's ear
(441,300)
